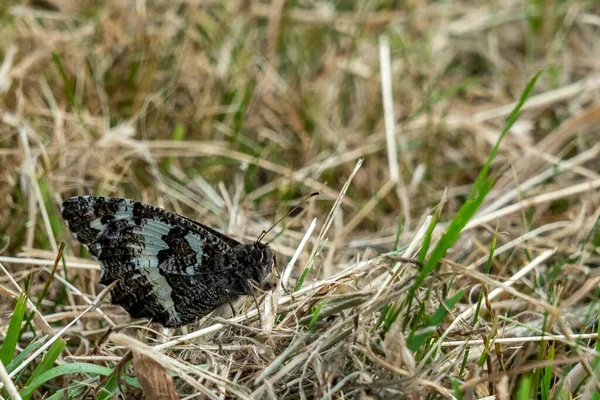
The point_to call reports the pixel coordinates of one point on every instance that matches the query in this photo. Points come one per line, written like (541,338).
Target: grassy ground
(230,113)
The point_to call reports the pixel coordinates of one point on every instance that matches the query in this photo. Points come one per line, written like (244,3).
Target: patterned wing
(167,267)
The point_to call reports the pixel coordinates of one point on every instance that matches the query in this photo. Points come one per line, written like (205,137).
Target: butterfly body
(167,267)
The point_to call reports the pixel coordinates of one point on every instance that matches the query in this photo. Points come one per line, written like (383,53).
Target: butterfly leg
(285,290)
(253,294)
(233,313)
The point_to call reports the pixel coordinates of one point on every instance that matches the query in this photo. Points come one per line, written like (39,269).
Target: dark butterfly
(167,267)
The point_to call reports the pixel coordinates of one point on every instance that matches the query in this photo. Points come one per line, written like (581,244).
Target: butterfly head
(262,260)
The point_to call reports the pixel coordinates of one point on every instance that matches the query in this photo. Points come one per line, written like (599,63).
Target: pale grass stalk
(32,211)
(46,261)
(8,383)
(388,108)
(114,359)
(271,299)
(64,315)
(269,311)
(175,190)
(583,291)
(273,31)
(493,294)
(485,19)
(525,339)
(290,266)
(589,84)
(502,389)
(559,166)
(482,220)
(570,164)
(225,369)
(342,20)
(336,206)
(539,199)
(208,191)
(284,355)
(5,67)
(521,240)
(589,18)
(488,280)
(343,381)
(390,127)
(575,377)
(293,363)
(236,216)
(417,178)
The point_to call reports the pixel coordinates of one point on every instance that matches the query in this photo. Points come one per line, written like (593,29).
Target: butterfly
(167,267)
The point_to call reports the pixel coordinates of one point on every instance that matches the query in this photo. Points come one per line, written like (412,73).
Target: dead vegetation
(230,112)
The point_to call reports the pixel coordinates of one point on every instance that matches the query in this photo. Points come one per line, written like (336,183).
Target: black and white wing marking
(167,267)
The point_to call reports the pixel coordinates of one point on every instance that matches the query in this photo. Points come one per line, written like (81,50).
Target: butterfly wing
(167,267)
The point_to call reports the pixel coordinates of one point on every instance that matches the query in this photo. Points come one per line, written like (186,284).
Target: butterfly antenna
(304,200)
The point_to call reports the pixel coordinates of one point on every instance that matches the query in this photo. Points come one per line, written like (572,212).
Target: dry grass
(230,112)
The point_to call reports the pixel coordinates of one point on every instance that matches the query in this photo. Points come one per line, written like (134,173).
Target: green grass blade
(307,269)
(399,229)
(512,118)
(436,319)
(315,315)
(482,186)
(69,91)
(422,255)
(524,392)
(451,235)
(66,369)
(109,389)
(177,136)
(47,362)
(546,382)
(302,278)
(456,388)
(22,355)
(71,392)
(14,331)
(429,233)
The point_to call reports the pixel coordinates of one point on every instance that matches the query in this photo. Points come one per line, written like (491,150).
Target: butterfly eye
(264,255)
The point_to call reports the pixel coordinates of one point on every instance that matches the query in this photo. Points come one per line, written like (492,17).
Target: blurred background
(231,111)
